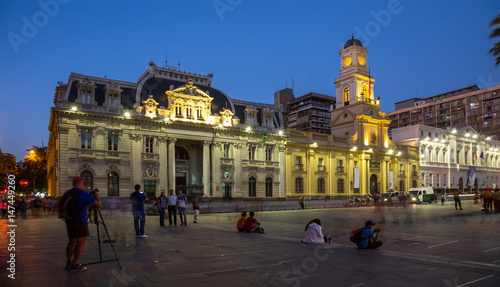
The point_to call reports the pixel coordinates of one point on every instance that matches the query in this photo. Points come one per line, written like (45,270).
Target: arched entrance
(373,184)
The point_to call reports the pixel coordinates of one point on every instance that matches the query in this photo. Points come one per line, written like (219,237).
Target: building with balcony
(453,158)
(169,130)
(468,107)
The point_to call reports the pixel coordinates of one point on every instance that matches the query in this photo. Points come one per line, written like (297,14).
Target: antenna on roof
(166,59)
(179,61)
(352,36)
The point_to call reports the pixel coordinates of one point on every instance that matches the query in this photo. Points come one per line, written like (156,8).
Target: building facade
(468,107)
(170,130)
(357,158)
(310,112)
(453,159)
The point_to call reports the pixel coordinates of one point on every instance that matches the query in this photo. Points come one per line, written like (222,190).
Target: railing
(340,169)
(299,167)
(414,173)
(401,173)
(321,168)
(374,165)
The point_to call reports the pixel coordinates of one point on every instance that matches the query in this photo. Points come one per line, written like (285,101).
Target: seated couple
(250,224)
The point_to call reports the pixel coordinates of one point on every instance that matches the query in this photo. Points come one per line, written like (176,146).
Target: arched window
(269,187)
(346,96)
(113,184)
(364,93)
(252,187)
(88,179)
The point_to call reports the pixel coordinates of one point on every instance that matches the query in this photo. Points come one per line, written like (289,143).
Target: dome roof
(353,42)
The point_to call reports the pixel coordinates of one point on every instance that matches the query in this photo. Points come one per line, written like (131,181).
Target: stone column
(206,168)
(282,171)
(162,164)
(237,182)
(171,163)
(136,158)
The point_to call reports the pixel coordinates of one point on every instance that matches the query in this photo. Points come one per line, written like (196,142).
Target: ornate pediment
(190,90)
(150,108)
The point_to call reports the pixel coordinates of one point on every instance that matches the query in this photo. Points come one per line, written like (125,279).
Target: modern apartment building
(470,106)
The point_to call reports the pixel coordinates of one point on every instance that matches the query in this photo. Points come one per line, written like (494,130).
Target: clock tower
(354,83)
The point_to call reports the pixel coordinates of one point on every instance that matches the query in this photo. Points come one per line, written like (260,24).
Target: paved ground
(424,245)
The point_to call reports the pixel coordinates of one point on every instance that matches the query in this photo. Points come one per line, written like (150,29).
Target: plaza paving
(424,245)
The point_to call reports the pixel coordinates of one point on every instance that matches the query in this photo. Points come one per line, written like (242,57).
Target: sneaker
(77,268)
(68,265)
(143,236)
(329,239)
(195,221)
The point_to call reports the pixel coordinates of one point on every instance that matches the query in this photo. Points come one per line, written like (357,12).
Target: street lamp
(33,154)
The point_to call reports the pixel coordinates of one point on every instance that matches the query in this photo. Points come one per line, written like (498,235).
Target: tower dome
(352,42)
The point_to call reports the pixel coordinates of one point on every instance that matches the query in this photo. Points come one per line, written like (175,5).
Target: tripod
(96,211)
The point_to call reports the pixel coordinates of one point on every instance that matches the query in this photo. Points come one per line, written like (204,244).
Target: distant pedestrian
(37,206)
(240,225)
(302,203)
(443,196)
(138,199)
(456,197)
(369,239)
(172,207)
(314,234)
(488,199)
(377,198)
(162,207)
(496,198)
(23,207)
(181,206)
(3,206)
(196,209)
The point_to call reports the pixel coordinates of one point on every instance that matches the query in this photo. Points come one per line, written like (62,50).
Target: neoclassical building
(169,130)
(450,157)
(358,158)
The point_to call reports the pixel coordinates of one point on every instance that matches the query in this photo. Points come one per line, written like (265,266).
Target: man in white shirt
(172,207)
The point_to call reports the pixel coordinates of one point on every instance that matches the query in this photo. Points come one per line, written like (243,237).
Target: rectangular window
(198,114)
(321,185)
(340,185)
(321,164)
(298,163)
(112,141)
(148,144)
(189,113)
(250,119)
(269,153)
(226,150)
(299,185)
(251,152)
(86,139)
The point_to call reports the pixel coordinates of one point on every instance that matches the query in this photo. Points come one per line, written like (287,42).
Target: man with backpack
(365,238)
(73,208)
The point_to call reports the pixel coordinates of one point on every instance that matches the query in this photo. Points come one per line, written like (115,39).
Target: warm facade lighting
(73,108)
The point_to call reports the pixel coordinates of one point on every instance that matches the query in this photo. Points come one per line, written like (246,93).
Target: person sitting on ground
(252,225)
(370,240)
(241,222)
(314,235)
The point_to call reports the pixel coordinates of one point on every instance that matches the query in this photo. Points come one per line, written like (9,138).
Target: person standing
(496,198)
(181,206)
(172,207)
(196,209)
(23,207)
(456,197)
(74,203)
(138,199)
(442,198)
(162,207)
(369,239)
(488,199)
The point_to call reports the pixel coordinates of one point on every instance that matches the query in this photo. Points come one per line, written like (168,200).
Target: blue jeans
(162,216)
(139,215)
(23,214)
(182,212)
(172,212)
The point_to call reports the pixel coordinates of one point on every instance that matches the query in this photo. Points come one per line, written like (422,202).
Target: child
(241,222)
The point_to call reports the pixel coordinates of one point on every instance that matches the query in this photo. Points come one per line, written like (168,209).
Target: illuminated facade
(169,130)
(446,157)
(358,158)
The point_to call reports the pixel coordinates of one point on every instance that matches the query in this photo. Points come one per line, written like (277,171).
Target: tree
(495,51)
(7,166)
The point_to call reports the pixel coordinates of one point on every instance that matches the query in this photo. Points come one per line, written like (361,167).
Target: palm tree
(495,51)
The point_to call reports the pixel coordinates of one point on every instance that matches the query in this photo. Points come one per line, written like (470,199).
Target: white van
(421,194)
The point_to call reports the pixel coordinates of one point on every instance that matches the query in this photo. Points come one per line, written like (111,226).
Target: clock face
(347,61)
(361,60)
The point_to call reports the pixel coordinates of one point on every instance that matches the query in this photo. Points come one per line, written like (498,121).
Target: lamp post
(33,154)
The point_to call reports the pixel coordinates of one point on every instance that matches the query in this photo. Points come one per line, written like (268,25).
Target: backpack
(356,235)
(68,205)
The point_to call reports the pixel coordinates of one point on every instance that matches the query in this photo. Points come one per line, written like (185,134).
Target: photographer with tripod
(73,208)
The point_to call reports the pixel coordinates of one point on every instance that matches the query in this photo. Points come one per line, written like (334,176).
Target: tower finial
(352,36)
(166,59)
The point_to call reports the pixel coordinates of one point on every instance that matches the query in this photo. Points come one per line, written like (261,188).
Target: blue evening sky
(254,48)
